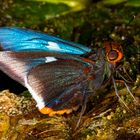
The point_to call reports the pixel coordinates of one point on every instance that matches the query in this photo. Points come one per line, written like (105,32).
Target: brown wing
(58,85)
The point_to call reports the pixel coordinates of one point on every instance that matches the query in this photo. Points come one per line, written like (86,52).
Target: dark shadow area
(7,83)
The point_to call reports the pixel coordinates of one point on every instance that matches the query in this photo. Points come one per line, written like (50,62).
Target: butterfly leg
(116,91)
(127,87)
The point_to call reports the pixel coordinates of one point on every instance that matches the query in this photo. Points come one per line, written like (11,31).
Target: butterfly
(59,74)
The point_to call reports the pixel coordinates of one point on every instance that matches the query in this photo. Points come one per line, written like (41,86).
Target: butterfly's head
(113,51)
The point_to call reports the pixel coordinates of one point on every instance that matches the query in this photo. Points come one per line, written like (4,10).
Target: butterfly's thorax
(105,60)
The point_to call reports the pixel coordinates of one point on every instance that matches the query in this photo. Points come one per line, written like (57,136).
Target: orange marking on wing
(61,112)
(87,70)
(46,110)
(88,60)
(51,112)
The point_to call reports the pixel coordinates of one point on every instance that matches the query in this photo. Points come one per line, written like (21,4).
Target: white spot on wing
(39,100)
(53,46)
(50,59)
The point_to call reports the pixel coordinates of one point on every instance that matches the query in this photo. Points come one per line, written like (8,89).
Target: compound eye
(113,55)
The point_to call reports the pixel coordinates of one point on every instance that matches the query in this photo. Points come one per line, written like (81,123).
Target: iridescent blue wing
(16,39)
